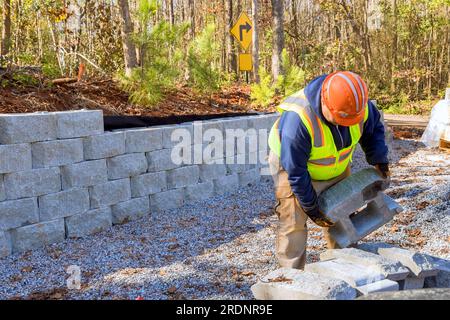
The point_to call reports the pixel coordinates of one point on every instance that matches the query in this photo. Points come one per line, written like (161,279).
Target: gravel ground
(216,249)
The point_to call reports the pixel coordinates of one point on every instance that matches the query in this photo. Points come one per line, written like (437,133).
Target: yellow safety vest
(325,161)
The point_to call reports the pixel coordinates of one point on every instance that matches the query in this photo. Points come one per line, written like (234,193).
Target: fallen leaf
(247,273)
(27,269)
(172,290)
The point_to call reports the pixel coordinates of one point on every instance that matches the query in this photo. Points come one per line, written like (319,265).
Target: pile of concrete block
(357,206)
(349,273)
(62,176)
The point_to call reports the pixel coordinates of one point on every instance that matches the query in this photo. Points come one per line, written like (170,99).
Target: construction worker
(311,147)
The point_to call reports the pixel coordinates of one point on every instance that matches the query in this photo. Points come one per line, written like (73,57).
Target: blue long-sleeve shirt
(296,143)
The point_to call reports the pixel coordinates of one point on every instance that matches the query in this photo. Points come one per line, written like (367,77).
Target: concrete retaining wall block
(171,199)
(109,193)
(17,213)
(147,184)
(63,204)
(14,158)
(37,235)
(226,184)
(57,153)
(2,189)
(32,183)
(200,191)
(143,140)
(5,244)
(27,127)
(84,174)
(105,145)
(209,172)
(177,131)
(160,160)
(76,124)
(130,210)
(182,177)
(87,223)
(249,177)
(125,166)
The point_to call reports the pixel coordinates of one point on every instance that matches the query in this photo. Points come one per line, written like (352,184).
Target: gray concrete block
(421,265)
(14,158)
(293,284)
(104,145)
(182,177)
(125,166)
(391,269)
(412,283)
(27,127)
(161,160)
(209,172)
(37,235)
(173,134)
(63,204)
(167,200)
(213,124)
(377,212)
(88,223)
(226,184)
(442,279)
(2,189)
(57,153)
(249,177)
(143,140)
(260,122)
(379,286)
(32,183)
(109,193)
(81,123)
(150,183)
(5,244)
(130,210)
(237,164)
(200,191)
(351,194)
(354,274)
(235,123)
(18,213)
(84,174)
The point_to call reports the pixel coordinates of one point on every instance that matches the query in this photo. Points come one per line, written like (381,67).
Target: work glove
(383,170)
(319,218)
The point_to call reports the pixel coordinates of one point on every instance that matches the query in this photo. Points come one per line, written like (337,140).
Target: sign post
(243,33)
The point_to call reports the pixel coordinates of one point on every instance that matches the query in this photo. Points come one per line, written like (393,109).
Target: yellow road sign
(245,62)
(243,31)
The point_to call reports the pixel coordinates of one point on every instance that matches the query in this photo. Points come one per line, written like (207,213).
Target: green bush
(161,64)
(292,81)
(264,92)
(203,53)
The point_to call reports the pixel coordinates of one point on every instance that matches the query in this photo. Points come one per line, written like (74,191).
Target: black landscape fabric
(124,122)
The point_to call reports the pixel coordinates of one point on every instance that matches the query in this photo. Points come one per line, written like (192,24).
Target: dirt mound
(105,94)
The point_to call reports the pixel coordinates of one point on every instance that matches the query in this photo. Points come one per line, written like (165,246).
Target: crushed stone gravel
(218,248)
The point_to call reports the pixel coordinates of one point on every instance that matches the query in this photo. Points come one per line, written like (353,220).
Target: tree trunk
(255,41)
(129,49)
(171,13)
(278,38)
(230,52)
(6,34)
(192,14)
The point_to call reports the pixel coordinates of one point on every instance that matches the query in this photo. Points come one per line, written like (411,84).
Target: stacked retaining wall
(62,176)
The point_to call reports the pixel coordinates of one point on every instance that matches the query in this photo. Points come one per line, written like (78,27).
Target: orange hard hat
(345,94)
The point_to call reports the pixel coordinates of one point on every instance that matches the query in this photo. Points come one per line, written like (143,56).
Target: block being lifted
(357,206)
(351,194)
